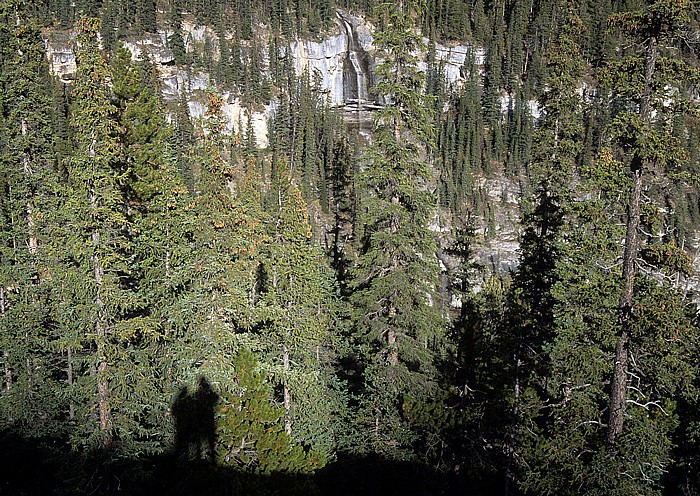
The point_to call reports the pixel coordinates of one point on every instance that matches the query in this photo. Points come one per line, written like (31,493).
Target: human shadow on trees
(195,425)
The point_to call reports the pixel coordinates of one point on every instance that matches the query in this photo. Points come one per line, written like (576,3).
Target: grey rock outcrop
(60,55)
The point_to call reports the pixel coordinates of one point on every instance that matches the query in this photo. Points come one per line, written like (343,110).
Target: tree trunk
(103,393)
(618,388)
(287,396)
(5,354)
(33,241)
(69,380)
(101,337)
(514,421)
(167,254)
(393,356)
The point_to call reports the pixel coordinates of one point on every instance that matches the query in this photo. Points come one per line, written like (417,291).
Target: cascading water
(356,78)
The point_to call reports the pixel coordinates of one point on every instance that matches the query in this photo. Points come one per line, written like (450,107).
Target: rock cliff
(343,62)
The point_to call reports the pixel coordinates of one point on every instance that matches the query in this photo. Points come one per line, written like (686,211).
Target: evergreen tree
(253,438)
(568,439)
(146,16)
(30,400)
(396,320)
(493,114)
(227,238)
(93,247)
(162,226)
(175,41)
(460,143)
(534,299)
(297,303)
(649,146)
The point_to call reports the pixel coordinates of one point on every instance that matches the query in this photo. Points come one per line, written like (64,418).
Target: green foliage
(90,250)
(30,401)
(668,256)
(251,433)
(304,130)
(297,306)
(394,282)
(460,142)
(665,16)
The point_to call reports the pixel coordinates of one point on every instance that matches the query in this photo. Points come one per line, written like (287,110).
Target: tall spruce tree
(535,298)
(161,233)
(568,438)
(93,247)
(297,304)
(227,238)
(395,317)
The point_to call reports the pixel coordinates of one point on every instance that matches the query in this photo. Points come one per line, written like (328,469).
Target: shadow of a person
(195,425)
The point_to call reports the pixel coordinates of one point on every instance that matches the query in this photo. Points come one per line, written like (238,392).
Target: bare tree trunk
(30,377)
(167,254)
(69,380)
(393,357)
(31,227)
(33,241)
(8,371)
(618,388)
(287,396)
(100,325)
(101,337)
(515,417)
(103,394)
(5,354)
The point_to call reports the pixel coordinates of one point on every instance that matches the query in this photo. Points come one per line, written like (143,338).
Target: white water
(357,89)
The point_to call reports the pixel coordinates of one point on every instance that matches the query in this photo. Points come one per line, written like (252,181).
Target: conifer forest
(350,247)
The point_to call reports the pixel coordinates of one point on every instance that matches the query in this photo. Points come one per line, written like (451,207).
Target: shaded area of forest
(34,467)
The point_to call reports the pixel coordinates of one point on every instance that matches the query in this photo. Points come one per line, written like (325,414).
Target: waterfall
(356,67)
(361,79)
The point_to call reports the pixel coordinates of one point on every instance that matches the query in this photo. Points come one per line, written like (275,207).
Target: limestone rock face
(453,60)
(151,46)
(323,59)
(343,64)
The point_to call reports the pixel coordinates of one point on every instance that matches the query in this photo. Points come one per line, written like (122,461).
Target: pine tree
(146,16)
(253,438)
(162,225)
(227,238)
(534,300)
(93,247)
(568,439)
(176,42)
(459,148)
(493,114)
(650,147)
